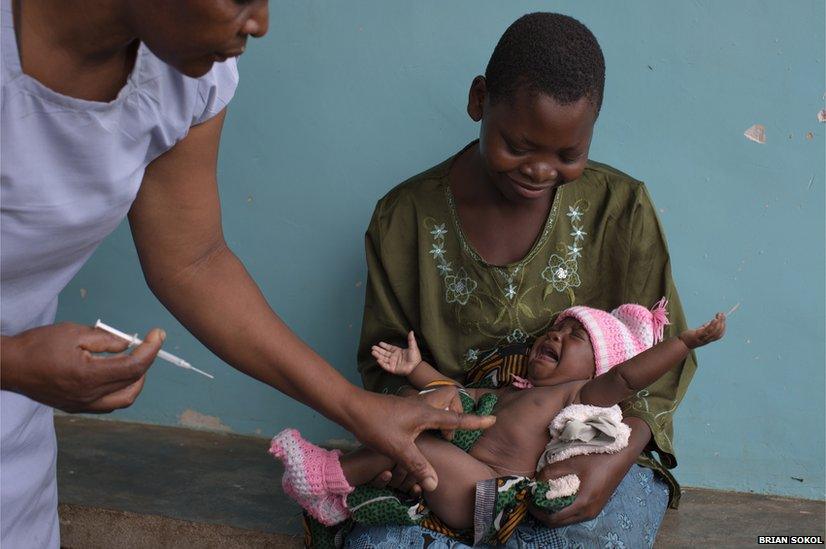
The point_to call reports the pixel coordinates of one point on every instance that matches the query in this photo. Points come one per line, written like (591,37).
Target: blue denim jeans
(630,520)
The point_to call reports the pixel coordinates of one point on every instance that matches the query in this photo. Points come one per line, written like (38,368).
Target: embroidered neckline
(511,268)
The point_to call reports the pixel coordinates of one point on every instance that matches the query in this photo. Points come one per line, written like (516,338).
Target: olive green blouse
(602,246)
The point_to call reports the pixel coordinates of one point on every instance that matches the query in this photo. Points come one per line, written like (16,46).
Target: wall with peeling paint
(340,102)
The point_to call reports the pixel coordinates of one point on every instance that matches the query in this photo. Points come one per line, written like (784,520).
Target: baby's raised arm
(407,362)
(624,380)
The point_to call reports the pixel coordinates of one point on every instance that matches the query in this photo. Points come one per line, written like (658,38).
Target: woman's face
(530,143)
(191,35)
(562,354)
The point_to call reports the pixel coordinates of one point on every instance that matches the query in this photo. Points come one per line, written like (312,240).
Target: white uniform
(69,171)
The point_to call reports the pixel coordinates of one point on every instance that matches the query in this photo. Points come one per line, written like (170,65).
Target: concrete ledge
(94,528)
(133,485)
(184,474)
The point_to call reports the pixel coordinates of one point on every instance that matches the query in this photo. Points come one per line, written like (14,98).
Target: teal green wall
(342,100)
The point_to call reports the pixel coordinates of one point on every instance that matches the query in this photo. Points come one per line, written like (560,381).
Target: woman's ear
(476,98)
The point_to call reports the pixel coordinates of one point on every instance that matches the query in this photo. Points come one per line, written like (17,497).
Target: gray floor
(131,485)
(185,474)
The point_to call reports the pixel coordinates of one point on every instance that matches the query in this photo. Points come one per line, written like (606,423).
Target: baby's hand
(708,332)
(396,360)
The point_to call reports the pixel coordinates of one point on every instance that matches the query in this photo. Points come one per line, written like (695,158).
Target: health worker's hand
(441,398)
(391,424)
(55,365)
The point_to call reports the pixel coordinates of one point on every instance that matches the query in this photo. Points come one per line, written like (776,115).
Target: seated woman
(484,249)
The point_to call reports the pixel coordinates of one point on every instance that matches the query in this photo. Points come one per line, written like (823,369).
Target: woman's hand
(391,424)
(395,360)
(599,476)
(55,365)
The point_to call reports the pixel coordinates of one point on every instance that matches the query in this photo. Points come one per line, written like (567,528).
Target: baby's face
(562,354)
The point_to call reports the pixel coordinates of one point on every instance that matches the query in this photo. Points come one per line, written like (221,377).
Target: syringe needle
(730,311)
(135,340)
(203,373)
(169,357)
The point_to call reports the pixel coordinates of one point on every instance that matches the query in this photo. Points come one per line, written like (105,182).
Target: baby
(589,357)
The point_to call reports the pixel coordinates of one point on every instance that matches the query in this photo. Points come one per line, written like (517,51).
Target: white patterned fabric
(580,429)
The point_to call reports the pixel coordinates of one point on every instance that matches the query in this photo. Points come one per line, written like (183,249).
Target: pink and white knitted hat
(621,334)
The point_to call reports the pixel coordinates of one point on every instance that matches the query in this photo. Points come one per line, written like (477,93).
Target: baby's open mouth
(547,353)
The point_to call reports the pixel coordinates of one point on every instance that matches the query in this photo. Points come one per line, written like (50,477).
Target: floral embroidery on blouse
(458,287)
(561,273)
(511,286)
(578,233)
(472,356)
(661,419)
(574,213)
(439,232)
(574,251)
(437,251)
(517,336)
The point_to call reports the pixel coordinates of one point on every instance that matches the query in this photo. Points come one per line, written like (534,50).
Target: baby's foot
(561,487)
(555,494)
(312,476)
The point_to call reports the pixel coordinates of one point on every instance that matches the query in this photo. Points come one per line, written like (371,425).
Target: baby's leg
(320,479)
(454,499)
(363,465)
(318,472)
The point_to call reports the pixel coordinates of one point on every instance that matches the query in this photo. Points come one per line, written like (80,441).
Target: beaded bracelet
(439,383)
(442,383)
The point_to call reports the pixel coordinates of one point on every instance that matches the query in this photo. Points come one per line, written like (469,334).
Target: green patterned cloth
(377,506)
(466,438)
(602,245)
(501,504)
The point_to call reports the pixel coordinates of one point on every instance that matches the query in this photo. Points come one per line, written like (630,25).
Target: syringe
(135,340)
(730,311)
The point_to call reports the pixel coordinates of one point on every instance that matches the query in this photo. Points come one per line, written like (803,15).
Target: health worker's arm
(176,225)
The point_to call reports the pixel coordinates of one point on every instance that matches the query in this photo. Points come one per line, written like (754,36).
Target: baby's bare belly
(498,453)
(512,446)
